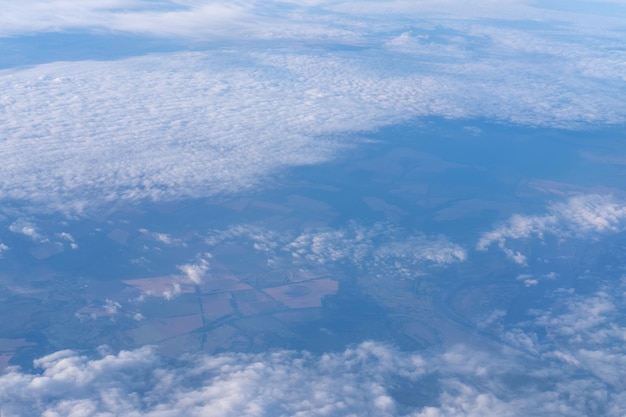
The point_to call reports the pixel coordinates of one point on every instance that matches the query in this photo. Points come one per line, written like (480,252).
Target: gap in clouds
(45,48)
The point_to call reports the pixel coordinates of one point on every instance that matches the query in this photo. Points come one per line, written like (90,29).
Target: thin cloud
(389,250)
(28,229)
(577,217)
(255,19)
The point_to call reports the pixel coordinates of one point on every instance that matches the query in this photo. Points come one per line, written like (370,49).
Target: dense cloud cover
(226,119)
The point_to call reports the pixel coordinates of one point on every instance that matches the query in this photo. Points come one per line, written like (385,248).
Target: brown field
(252,302)
(305,294)
(224,338)
(217,305)
(158,330)
(176,346)
(7,347)
(223,283)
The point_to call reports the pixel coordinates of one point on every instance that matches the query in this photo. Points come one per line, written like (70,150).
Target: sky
(110,103)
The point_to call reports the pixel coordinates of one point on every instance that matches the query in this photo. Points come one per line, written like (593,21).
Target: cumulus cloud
(195,272)
(367,379)
(578,216)
(281,383)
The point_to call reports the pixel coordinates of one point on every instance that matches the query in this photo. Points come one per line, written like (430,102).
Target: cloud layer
(380,248)
(199,124)
(181,125)
(575,370)
(276,20)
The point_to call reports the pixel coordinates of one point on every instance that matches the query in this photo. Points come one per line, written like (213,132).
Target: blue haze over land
(314,208)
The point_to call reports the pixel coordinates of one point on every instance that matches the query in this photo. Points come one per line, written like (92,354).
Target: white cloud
(27,229)
(164,238)
(204,123)
(362,380)
(69,238)
(380,247)
(282,383)
(196,272)
(111,307)
(579,216)
(269,19)
(389,250)
(583,331)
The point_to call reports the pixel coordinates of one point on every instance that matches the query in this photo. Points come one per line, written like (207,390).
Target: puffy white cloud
(362,380)
(578,216)
(281,383)
(195,272)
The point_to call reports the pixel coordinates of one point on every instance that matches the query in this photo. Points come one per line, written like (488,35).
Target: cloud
(69,238)
(281,383)
(577,217)
(587,333)
(27,229)
(272,19)
(195,272)
(163,17)
(369,378)
(225,120)
(379,247)
(164,238)
(387,249)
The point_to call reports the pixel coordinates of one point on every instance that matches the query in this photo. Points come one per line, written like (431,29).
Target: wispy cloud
(28,229)
(380,247)
(272,19)
(579,216)
(388,250)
